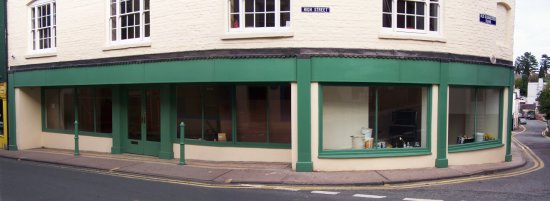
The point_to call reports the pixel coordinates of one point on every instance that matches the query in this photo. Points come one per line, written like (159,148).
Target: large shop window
(129,20)
(473,115)
(93,105)
(374,118)
(246,15)
(411,15)
(43,26)
(236,114)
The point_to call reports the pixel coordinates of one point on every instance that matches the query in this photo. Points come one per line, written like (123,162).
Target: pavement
(251,172)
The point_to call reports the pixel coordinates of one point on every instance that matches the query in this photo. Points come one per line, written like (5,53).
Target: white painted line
(369,196)
(286,189)
(417,199)
(326,192)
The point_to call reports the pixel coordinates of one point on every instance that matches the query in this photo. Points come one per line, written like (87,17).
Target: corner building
(355,85)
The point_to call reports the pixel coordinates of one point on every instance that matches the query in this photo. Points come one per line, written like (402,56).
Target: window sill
(123,46)
(412,36)
(252,35)
(455,148)
(41,55)
(83,133)
(379,153)
(235,144)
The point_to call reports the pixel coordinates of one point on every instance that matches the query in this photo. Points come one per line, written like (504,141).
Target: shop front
(318,113)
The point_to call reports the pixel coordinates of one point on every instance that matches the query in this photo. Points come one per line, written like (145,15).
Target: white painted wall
(86,143)
(213,153)
(28,118)
(200,25)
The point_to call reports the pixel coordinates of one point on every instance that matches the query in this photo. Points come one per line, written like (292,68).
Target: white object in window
(258,15)
(43,34)
(411,15)
(129,21)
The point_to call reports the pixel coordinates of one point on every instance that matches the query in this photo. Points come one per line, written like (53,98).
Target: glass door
(143,121)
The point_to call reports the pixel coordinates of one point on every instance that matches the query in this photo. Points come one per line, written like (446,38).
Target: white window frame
(119,41)
(242,27)
(34,40)
(427,17)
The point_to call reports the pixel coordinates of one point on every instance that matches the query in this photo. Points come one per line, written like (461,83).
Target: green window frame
(76,110)
(455,148)
(374,153)
(234,132)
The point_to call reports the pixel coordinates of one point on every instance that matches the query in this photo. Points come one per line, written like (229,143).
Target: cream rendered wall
(28,118)
(200,25)
(86,143)
(383,163)
(494,155)
(212,153)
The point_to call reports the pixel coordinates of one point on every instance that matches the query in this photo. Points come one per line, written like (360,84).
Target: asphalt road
(28,181)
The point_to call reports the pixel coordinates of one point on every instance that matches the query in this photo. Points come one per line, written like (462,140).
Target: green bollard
(182,144)
(76,151)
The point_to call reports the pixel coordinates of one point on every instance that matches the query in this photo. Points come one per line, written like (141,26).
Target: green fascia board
(330,69)
(190,71)
(478,75)
(378,153)
(455,148)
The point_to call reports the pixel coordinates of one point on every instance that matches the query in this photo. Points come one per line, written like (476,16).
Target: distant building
(533,91)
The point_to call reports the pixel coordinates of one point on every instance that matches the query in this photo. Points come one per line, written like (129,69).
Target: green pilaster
(303,72)
(441,160)
(508,157)
(166,148)
(117,121)
(12,134)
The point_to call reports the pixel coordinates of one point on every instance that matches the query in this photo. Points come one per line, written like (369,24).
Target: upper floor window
(258,14)
(411,15)
(129,20)
(43,29)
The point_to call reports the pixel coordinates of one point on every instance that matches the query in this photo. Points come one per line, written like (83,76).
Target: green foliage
(521,84)
(526,64)
(544,101)
(544,66)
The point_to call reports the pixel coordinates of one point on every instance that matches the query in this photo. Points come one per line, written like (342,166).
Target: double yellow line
(537,165)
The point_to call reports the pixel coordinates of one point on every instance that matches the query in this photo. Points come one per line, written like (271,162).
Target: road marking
(417,199)
(325,192)
(369,196)
(286,189)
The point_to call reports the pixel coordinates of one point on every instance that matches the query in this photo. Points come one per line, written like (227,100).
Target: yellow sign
(3,117)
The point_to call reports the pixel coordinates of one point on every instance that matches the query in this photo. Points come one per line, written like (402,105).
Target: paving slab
(98,163)
(10,154)
(174,171)
(239,165)
(421,174)
(253,176)
(335,178)
(45,157)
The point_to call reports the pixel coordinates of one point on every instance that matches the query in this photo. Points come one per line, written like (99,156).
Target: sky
(532,28)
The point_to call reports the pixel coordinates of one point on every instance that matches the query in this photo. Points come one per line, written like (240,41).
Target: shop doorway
(142,122)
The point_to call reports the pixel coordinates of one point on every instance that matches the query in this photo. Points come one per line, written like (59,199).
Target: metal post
(182,144)
(76,150)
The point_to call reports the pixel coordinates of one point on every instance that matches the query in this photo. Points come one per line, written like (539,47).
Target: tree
(526,64)
(544,66)
(521,84)
(544,101)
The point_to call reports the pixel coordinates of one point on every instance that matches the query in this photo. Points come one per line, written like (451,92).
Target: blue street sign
(487,19)
(315,10)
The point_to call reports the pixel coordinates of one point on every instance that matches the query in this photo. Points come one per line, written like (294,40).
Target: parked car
(522,120)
